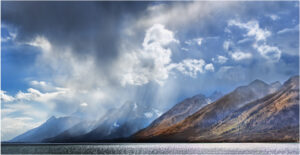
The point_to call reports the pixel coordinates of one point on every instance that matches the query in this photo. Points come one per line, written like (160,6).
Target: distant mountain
(204,119)
(177,113)
(50,128)
(118,123)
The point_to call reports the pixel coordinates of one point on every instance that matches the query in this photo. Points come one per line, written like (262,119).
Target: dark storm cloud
(86,27)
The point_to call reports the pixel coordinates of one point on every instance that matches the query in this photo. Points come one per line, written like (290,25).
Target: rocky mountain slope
(177,113)
(274,117)
(220,120)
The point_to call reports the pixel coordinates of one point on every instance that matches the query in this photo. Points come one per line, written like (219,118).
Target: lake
(153,148)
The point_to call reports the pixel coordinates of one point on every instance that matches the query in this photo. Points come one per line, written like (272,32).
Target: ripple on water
(153,148)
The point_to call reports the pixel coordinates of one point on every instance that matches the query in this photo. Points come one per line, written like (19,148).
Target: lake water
(153,148)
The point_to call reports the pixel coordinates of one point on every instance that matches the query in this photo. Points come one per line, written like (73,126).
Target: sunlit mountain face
(149,71)
(253,113)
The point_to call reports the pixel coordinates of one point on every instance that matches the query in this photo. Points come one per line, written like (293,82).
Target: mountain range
(257,112)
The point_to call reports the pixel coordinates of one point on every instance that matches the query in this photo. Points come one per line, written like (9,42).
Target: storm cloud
(86,27)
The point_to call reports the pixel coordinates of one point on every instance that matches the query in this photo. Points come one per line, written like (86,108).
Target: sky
(61,57)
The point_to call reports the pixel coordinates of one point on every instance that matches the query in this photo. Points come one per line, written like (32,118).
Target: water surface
(153,148)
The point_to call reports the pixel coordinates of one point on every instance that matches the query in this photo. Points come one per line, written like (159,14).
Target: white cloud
(209,67)
(273,17)
(41,42)
(84,104)
(11,36)
(35,95)
(5,97)
(31,94)
(150,63)
(227,45)
(11,33)
(185,49)
(220,59)
(45,86)
(38,83)
(253,29)
(168,14)
(148,115)
(199,41)
(157,34)
(154,8)
(25,109)
(189,42)
(272,53)
(157,112)
(235,53)
(243,40)
(189,67)
(237,56)
(288,30)
(153,62)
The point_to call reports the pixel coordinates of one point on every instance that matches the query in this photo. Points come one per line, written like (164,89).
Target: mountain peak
(256,86)
(257,82)
(215,95)
(199,96)
(293,82)
(276,83)
(275,86)
(51,118)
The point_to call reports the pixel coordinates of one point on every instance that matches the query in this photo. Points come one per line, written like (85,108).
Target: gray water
(153,148)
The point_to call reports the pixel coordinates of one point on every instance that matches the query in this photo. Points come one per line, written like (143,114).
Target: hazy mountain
(50,128)
(87,124)
(118,123)
(81,128)
(208,116)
